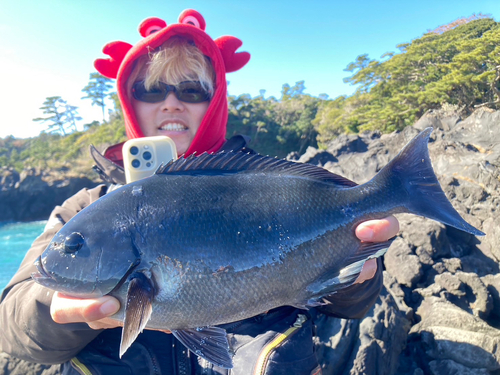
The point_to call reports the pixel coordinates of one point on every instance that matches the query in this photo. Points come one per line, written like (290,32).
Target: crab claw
(232,60)
(116,51)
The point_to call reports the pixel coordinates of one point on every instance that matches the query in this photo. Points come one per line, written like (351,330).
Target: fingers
(378,230)
(105,323)
(164,331)
(65,309)
(368,271)
(375,231)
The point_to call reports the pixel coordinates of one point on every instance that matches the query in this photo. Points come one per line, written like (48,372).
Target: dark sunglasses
(187,91)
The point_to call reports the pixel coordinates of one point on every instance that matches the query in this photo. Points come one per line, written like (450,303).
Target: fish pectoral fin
(138,308)
(209,343)
(368,250)
(313,302)
(332,282)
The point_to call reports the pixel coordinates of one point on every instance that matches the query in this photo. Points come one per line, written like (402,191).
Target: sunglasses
(187,91)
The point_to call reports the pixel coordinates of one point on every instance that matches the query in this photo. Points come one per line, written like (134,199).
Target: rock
(369,346)
(449,367)
(398,294)
(489,244)
(317,157)
(444,119)
(451,265)
(448,332)
(13,366)
(9,178)
(401,263)
(334,343)
(32,195)
(428,238)
(382,337)
(492,283)
(465,290)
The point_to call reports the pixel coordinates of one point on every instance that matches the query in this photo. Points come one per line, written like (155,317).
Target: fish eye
(73,242)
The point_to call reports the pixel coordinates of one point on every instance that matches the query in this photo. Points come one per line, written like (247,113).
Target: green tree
(455,64)
(54,107)
(98,90)
(276,127)
(295,114)
(71,115)
(252,117)
(117,113)
(90,125)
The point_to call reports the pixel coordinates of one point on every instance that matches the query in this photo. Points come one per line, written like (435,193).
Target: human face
(171,117)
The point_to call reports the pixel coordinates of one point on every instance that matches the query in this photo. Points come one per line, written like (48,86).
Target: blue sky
(47,47)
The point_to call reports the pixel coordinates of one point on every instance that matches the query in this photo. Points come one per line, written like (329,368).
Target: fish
(217,238)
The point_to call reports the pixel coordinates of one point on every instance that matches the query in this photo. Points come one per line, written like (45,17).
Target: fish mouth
(42,274)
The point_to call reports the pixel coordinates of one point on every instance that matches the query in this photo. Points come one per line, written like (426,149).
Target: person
(171,83)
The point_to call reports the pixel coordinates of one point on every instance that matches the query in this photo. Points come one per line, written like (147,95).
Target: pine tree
(98,90)
(54,107)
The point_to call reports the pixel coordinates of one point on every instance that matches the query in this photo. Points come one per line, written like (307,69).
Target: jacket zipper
(153,361)
(275,343)
(80,367)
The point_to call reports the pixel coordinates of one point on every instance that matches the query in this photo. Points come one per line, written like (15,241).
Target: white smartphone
(143,156)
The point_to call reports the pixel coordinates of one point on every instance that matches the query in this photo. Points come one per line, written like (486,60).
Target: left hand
(96,312)
(375,231)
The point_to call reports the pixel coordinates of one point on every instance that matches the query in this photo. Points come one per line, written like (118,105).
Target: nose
(172,104)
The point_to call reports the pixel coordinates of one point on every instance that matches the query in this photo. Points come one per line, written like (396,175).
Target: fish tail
(412,174)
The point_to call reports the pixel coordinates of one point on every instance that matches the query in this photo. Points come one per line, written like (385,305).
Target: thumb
(66,309)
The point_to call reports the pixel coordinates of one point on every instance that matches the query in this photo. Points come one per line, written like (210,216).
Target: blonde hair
(179,60)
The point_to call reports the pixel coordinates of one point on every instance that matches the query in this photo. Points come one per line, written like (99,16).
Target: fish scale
(218,238)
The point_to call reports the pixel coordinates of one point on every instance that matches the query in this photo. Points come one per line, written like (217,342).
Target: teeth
(173,127)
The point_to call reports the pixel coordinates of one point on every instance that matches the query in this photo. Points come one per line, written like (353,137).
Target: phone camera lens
(136,163)
(134,150)
(147,155)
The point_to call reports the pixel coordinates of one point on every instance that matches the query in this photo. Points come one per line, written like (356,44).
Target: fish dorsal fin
(235,162)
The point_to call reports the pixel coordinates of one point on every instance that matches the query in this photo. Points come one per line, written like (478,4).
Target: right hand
(375,231)
(93,311)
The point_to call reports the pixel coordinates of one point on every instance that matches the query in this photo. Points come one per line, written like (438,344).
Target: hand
(93,311)
(375,231)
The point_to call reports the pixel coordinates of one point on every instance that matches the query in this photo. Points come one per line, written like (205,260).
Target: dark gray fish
(218,238)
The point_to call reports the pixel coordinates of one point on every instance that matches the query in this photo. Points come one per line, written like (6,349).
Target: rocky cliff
(33,194)
(439,311)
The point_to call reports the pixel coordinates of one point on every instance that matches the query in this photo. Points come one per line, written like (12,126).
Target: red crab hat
(223,56)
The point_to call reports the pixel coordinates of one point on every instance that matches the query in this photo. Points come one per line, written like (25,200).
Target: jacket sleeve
(28,331)
(356,300)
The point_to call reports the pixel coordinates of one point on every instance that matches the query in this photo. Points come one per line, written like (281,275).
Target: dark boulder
(32,195)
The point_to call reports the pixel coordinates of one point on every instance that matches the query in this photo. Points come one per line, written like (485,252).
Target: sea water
(15,241)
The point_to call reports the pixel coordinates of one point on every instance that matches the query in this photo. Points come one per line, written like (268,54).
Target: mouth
(173,127)
(42,274)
